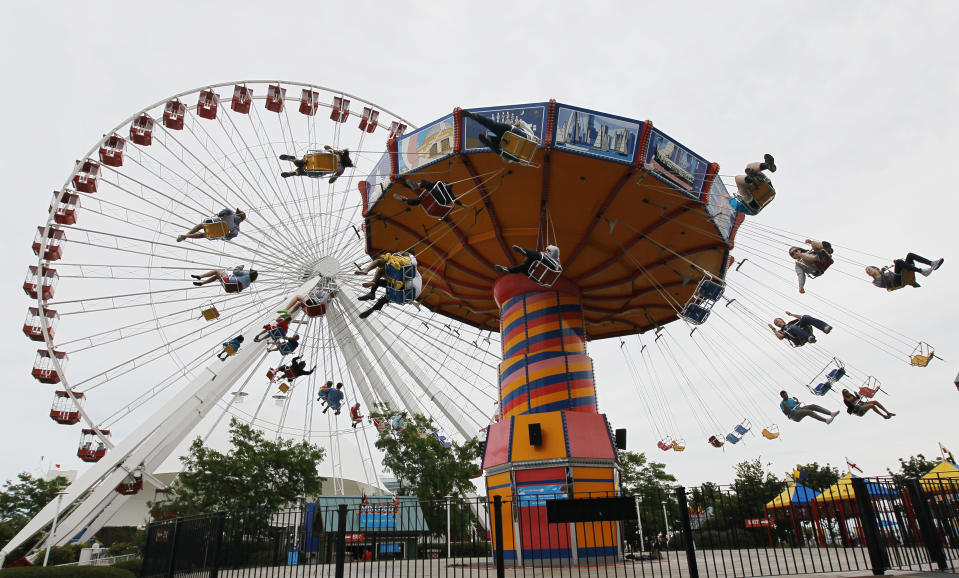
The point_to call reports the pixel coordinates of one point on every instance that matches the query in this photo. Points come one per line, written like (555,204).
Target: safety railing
(861,524)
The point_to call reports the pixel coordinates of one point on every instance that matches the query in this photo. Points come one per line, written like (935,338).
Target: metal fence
(863,524)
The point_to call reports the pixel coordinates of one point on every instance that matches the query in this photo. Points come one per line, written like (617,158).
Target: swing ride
(644,226)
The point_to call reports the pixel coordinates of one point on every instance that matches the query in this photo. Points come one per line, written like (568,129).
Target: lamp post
(53,529)
(449,547)
(639,522)
(666,518)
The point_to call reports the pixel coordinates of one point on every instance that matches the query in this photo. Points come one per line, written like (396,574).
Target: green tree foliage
(426,468)
(755,486)
(816,477)
(641,476)
(255,477)
(915,467)
(21,500)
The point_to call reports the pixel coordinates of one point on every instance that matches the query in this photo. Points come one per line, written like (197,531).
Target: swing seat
(762,193)
(315,310)
(732,438)
(710,290)
(438,201)
(664,445)
(422,433)
(770,433)
(822,388)
(400,296)
(695,314)
(679,445)
(922,355)
(286,348)
(545,271)
(379,424)
(230,287)
(325,162)
(275,333)
(715,441)
(517,148)
(216,230)
(284,387)
(229,350)
(835,375)
(906,278)
(210,313)
(741,430)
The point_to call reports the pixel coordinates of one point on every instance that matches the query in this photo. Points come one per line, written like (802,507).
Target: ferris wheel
(129,344)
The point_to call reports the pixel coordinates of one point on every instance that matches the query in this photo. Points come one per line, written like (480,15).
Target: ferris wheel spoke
(114,335)
(266,142)
(264,179)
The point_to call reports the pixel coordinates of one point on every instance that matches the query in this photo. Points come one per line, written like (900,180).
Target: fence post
(687,531)
(870,527)
(340,540)
(498,536)
(171,569)
(217,542)
(927,528)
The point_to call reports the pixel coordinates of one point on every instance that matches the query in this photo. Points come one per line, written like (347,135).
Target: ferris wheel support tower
(147,447)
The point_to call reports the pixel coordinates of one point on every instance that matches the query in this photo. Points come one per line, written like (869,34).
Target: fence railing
(867,524)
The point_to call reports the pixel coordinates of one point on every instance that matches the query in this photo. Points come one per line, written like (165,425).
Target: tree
(638,475)
(256,477)
(22,500)
(816,477)
(424,465)
(755,486)
(916,467)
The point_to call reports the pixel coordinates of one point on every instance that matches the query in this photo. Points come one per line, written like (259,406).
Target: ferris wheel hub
(327,267)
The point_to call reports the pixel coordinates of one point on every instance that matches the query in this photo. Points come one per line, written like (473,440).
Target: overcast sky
(857,100)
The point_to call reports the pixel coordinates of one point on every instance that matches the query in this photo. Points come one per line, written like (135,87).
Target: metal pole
(639,521)
(927,527)
(449,548)
(53,529)
(340,540)
(687,531)
(498,536)
(869,529)
(666,520)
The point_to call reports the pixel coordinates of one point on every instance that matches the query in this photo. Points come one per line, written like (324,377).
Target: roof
(942,470)
(842,490)
(794,495)
(382,514)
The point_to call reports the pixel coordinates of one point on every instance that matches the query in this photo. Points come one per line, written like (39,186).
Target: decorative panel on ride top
(624,203)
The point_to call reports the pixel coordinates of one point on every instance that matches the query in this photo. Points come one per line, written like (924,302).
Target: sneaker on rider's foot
(770,162)
(937,263)
(287,158)
(827,329)
(366,296)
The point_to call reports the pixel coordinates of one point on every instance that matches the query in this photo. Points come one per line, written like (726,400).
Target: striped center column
(545,366)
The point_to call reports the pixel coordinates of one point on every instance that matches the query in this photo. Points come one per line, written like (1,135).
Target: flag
(853,466)
(57,465)
(947,454)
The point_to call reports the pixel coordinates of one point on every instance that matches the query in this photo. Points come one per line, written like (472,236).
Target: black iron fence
(862,524)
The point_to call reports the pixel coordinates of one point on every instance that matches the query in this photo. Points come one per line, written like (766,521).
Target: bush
(67,572)
(61,555)
(123,548)
(133,565)
(111,535)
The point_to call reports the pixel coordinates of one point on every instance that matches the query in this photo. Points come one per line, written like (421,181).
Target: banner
(425,145)
(676,163)
(532,114)
(584,131)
